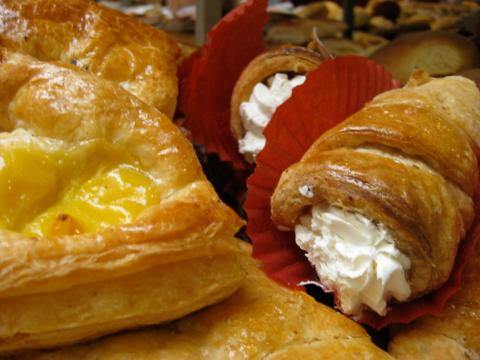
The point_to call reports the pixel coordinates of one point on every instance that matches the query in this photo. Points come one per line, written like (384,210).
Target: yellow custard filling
(50,188)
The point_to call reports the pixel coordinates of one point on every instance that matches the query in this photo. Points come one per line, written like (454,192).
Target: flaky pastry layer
(407,160)
(114,46)
(454,334)
(290,59)
(176,256)
(262,320)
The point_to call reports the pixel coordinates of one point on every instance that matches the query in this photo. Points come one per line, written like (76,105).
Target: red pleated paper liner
(184,71)
(331,93)
(207,78)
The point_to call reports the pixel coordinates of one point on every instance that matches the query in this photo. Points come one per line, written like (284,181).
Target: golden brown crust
(157,295)
(289,59)
(460,105)
(401,163)
(418,207)
(260,321)
(395,127)
(112,45)
(189,225)
(454,334)
(438,53)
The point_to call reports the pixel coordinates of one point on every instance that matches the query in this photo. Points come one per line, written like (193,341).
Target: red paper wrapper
(207,78)
(331,93)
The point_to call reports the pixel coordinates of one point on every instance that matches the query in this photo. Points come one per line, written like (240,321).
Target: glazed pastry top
(90,169)
(112,45)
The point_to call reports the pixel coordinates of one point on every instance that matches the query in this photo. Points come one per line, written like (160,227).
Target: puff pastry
(454,334)
(112,45)
(288,61)
(401,172)
(107,219)
(262,320)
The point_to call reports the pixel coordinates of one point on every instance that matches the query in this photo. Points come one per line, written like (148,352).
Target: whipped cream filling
(258,110)
(355,258)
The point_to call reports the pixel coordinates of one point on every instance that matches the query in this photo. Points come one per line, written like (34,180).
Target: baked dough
(405,161)
(289,59)
(454,334)
(362,44)
(298,31)
(437,53)
(260,321)
(107,219)
(112,45)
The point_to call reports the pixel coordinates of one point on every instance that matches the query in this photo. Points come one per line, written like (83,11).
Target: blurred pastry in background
(327,10)
(438,16)
(294,26)
(438,53)
(420,20)
(260,321)
(298,31)
(380,24)
(362,44)
(447,22)
(361,16)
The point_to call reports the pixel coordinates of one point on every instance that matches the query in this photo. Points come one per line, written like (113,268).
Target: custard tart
(107,221)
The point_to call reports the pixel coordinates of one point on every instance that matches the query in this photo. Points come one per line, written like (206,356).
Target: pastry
(263,86)
(360,16)
(415,16)
(417,20)
(327,10)
(435,10)
(298,31)
(381,24)
(107,221)
(437,53)
(362,44)
(472,74)
(112,45)
(380,202)
(448,22)
(261,321)
(454,334)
